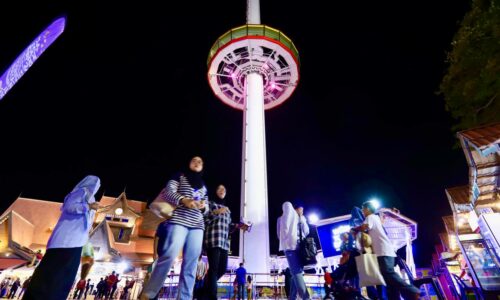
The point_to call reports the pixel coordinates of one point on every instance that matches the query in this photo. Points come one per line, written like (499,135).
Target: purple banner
(24,61)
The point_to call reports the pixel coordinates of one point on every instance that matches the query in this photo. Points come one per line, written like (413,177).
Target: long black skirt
(54,276)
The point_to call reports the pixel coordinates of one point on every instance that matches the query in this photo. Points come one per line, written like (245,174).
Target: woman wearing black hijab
(217,240)
(184,231)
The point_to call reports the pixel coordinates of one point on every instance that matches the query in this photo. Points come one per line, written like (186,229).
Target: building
(470,249)
(124,231)
(122,236)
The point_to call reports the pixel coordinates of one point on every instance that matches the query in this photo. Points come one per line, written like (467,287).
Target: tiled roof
(135,207)
(482,137)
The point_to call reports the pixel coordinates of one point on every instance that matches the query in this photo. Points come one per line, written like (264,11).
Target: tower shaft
(254,245)
(253,11)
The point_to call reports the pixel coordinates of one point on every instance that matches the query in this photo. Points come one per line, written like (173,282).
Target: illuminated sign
(336,232)
(26,59)
(330,237)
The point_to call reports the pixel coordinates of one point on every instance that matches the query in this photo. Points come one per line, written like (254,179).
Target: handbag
(369,270)
(307,249)
(367,264)
(161,207)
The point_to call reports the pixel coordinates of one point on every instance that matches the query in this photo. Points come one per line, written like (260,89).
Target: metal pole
(253,12)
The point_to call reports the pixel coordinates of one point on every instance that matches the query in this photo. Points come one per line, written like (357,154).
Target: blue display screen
(329,237)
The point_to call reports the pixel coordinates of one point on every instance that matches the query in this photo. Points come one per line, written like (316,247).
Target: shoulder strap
(300,230)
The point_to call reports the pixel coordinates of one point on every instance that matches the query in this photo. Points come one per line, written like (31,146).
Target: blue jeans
(297,286)
(241,291)
(177,237)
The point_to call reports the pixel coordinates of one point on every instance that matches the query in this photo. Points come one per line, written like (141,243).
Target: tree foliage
(471,85)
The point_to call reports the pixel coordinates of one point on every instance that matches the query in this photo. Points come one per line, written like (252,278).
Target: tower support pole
(253,11)
(254,204)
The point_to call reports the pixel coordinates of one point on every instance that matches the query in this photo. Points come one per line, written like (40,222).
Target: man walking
(386,255)
(241,275)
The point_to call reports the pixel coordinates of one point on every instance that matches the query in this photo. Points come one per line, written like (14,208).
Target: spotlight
(375,202)
(313,218)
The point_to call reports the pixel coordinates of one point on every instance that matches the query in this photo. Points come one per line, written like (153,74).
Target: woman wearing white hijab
(56,272)
(289,225)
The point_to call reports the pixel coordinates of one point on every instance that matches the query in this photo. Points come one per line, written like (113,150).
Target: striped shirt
(189,217)
(217,228)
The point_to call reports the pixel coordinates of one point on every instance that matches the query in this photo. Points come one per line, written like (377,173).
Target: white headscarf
(90,184)
(288,223)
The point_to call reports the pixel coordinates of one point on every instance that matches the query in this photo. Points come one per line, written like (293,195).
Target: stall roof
(481,147)
(482,137)
(445,242)
(396,226)
(449,224)
(459,198)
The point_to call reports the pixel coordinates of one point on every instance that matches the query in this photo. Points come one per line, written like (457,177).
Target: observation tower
(253,68)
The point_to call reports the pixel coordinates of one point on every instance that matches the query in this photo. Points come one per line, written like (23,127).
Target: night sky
(123,94)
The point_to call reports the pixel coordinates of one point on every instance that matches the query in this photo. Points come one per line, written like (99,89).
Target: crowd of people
(106,288)
(199,224)
(12,288)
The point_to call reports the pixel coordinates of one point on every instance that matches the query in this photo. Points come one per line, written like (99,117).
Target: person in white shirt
(201,271)
(290,224)
(54,276)
(386,255)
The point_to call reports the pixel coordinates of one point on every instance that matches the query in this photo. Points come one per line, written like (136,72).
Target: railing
(264,285)
(252,30)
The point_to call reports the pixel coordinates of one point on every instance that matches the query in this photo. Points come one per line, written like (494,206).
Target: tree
(471,85)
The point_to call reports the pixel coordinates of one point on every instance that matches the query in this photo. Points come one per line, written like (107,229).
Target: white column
(253,11)
(254,245)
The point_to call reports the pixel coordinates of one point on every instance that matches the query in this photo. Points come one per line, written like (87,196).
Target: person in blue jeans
(184,231)
(289,226)
(241,275)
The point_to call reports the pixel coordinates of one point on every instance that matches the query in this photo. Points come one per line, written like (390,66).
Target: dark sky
(123,95)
